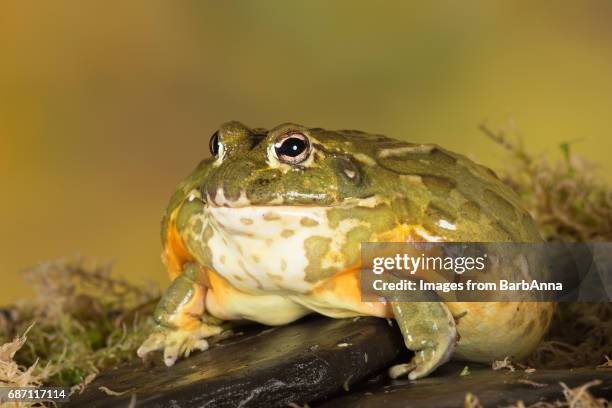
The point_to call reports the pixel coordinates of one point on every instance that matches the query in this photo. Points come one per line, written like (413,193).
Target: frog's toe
(400,370)
(424,361)
(154,342)
(174,351)
(178,342)
(429,330)
(182,343)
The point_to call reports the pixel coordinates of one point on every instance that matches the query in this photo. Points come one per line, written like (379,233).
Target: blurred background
(105,106)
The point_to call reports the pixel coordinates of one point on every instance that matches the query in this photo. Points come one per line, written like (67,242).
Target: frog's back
(449,195)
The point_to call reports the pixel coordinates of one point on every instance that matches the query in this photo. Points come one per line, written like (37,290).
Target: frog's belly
(336,297)
(275,249)
(228,303)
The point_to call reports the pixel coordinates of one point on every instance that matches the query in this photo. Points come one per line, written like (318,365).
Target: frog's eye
(215,144)
(292,148)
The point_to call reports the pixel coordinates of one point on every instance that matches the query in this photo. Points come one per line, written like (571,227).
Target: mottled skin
(249,236)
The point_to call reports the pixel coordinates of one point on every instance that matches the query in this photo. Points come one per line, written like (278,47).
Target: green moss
(566,197)
(84,320)
(569,203)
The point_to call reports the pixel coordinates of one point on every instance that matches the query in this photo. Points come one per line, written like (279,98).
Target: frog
(268,229)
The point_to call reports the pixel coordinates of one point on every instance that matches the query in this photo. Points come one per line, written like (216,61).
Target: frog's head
(287,165)
(269,192)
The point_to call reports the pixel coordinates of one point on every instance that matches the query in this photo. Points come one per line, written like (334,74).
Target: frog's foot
(183,324)
(430,331)
(176,342)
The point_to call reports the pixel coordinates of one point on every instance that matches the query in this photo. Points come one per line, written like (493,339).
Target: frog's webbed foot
(176,342)
(430,331)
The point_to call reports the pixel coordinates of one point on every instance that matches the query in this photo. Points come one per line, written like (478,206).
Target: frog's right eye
(292,148)
(215,145)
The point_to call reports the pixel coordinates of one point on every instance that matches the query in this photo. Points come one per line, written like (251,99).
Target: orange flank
(345,287)
(407,233)
(221,287)
(175,254)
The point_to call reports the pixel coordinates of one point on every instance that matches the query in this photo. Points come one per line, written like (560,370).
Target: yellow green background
(105,106)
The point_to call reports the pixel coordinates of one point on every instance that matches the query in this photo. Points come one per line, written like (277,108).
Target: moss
(569,203)
(83,320)
(13,374)
(566,197)
(573,397)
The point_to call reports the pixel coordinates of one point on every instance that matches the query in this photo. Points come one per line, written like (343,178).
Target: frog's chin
(286,248)
(261,248)
(264,221)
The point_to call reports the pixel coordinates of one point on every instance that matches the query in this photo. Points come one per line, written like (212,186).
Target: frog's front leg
(182,325)
(430,331)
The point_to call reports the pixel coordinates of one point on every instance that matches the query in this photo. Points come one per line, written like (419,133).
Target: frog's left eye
(292,148)
(215,145)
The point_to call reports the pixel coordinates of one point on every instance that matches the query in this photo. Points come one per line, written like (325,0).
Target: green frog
(269,229)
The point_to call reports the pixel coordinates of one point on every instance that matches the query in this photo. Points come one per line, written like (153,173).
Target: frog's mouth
(291,199)
(220,200)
